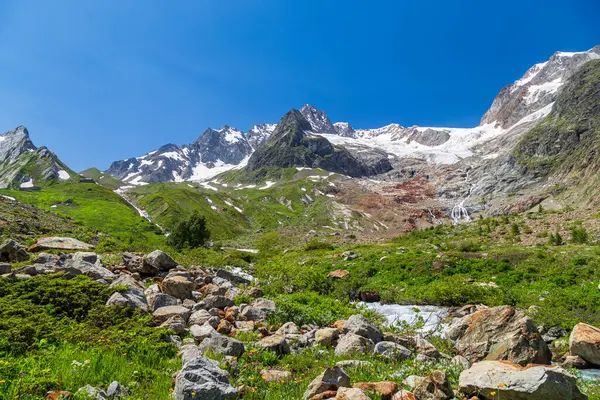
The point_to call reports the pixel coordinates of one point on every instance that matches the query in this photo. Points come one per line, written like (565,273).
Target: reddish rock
(204,289)
(338,274)
(58,395)
(385,389)
(339,324)
(585,343)
(330,394)
(275,375)
(224,327)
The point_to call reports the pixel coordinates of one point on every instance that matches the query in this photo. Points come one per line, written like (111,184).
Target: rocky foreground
(500,351)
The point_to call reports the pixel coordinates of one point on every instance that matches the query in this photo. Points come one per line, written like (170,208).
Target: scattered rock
(275,375)
(502,333)
(275,343)
(349,256)
(160,260)
(289,328)
(345,393)
(178,287)
(327,336)
(220,302)
(338,274)
(230,276)
(353,364)
(158,300)
(59,243)
(330,380)
(404,395)
(175,323)
(585,343)
(12,251)
(434,387)
(384,389)
(201,332)
(131,298)
(393,351)
(162,314)
(412,381)
(116,391)
(351,343)
(5,269)
(361,326)
(370,296)
(222,345)
(510,381)
(202,379)
(574,362)
(90,392)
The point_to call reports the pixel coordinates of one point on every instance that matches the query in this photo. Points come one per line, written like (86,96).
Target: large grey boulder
(201,332)
(160,260)
(330,380)
(585,343)
(94,271)
(201,379)
(361,326)
(513,382)
(199,317)
(223,345)
(116,391)
(351,343)
(162,314)
(392,351)
(158,300)
(131,299)
(327,336)
(220,302)
(12,251)
(502,333)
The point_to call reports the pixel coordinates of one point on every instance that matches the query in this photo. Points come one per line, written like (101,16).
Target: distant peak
(19,130)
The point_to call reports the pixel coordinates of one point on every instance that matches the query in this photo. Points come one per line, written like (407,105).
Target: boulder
(289,328)
(224,327)
(384,389)
(201,332)
(94,271)
(131,299)
(199,317)
(345,393)
(253,313)
(222,345)
(275,375)
(351,343)
(502,333)
(220,302)
(59,243)
(369,296)
(162,314)
(331,379)
(160,260)
(434,387)
(392,351)
(361,326)
(12,251)
(510,381)
(188,352)
(158,300)
(230,276)
(86,256)
(327,336)
(5,269)
(90,392)
(178,287)
(573,362)
(585,343)
(275,343)
(116,391)
(130,282)
(175,323)
(202,379)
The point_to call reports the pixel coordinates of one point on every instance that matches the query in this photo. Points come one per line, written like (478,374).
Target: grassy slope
(103,179)
(261,208)
(96,208)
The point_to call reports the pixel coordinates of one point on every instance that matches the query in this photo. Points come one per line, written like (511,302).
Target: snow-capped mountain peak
(317,119)
(259,134)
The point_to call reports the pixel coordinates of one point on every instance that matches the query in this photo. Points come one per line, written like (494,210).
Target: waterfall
(459,213)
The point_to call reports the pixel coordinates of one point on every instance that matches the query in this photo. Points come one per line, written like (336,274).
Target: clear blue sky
(97,81)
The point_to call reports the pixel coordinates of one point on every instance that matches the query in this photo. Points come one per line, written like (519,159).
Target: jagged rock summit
(24,165)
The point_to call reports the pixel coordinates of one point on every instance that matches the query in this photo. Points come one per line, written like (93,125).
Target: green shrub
(579,235)
(190,232)
(316,244)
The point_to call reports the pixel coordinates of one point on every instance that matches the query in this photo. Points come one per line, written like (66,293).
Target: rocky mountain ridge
(24,165)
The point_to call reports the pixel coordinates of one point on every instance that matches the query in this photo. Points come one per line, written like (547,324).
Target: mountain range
(516,145)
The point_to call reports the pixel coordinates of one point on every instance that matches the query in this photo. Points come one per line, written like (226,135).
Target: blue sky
(97,81)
